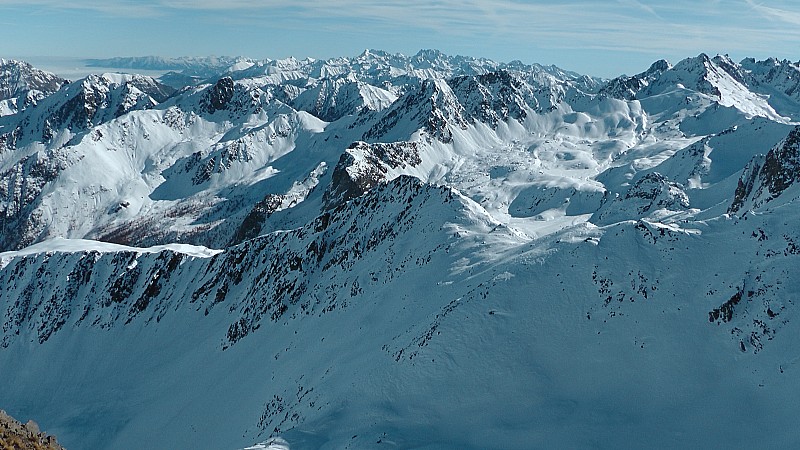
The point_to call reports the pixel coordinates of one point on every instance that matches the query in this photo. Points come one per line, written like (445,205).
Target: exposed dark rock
(493,97)
(94,100)
(362,166)
(220,94)
(20,189)
(725,312)
(252,223)
(766,177)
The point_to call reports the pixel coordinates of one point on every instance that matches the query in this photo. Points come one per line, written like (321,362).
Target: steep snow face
(334,241)
(432,107)
(333,99)
(419,251)
(495,97)
(198,165)
(126,179)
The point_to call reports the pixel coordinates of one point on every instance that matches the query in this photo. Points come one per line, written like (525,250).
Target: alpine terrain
(389,251)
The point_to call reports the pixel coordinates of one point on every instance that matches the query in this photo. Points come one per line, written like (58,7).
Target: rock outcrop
(16,436)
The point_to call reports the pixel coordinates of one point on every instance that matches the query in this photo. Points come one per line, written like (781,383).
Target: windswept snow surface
(415,252)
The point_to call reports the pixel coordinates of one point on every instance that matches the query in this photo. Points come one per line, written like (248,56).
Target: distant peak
(372,52)
(429,53)
(661,65)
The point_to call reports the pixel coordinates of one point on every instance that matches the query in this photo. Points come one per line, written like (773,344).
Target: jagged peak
(770,66)
(239,98)
(771,61)
(733,69)
(429,53)
(17,78)
(700,63)
(659,66)
(14,63)
(723,59)
(370,53)
(190,63)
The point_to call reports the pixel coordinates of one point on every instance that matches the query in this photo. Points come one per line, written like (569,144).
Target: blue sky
(604,38)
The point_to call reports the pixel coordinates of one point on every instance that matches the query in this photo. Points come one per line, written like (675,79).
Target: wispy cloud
(117,8)
(776,14)
(637,4)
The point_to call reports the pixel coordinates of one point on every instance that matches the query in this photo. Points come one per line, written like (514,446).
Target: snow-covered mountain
(194,66)
(425,251)
(22,85)
(762,88)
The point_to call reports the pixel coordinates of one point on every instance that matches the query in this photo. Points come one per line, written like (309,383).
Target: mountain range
(425,251)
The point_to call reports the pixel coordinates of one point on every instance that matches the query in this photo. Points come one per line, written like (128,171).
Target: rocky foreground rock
(16,436)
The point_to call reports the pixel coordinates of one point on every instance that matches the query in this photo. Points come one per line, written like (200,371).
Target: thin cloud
(776,14)
(118,8)
(640,5)
(221,5)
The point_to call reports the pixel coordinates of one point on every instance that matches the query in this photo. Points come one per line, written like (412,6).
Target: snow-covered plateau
(385,251)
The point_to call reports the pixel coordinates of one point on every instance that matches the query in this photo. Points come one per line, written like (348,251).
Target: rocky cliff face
(766,177)
(362,166)
(781,75)
(494,97)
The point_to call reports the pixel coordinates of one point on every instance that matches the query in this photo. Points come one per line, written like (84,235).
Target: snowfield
(413,252)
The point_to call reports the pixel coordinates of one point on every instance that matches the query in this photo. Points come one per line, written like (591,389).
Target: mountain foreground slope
(418,252)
